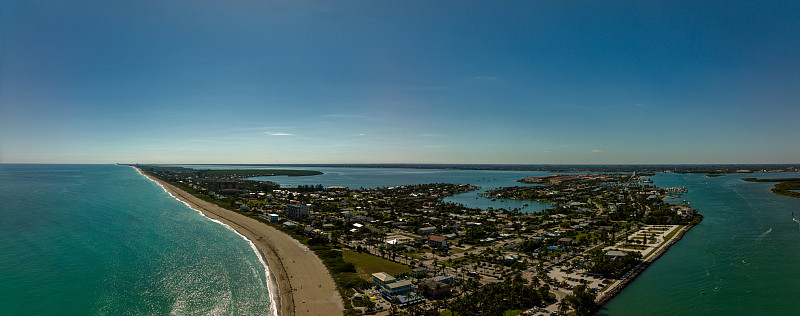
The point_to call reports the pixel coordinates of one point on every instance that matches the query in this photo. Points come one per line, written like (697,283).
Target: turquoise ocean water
(104,240)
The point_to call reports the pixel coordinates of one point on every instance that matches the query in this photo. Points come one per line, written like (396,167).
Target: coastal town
(403,251)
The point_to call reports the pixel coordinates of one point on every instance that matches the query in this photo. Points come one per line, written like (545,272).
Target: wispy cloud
(345,116)
(278,134)
(594,151)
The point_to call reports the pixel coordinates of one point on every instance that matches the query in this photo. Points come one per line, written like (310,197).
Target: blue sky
(400,81)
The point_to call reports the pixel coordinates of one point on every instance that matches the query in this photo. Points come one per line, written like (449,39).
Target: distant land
(677,168)
(786,186)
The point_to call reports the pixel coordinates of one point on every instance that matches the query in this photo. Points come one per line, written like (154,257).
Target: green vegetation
(771,180)
(497,298)
(784,188)
(631,246)
(581,300)
(343,271)
(229,173)
(613,268)
(367,264)
(713,175)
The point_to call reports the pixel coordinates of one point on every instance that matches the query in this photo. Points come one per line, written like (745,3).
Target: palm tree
(535,282)
(563,306)
(394,302)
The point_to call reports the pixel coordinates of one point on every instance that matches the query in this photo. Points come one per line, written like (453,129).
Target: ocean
(105,240)
(102,239)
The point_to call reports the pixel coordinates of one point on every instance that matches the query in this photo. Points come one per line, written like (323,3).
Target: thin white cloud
(594,151)
(278,134)
(346,116)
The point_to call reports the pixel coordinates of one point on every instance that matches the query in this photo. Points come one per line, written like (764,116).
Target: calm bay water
(369,178)
(744,256)
(102,239)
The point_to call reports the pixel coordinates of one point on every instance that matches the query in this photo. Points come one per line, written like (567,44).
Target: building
(389,286)
(437,241)
(426,230)
(433,289)
(399,288)
(297,211)
(380,279)
(615,254)
(274,217)
(227,185)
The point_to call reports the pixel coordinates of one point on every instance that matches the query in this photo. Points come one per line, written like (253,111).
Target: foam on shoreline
(272,283)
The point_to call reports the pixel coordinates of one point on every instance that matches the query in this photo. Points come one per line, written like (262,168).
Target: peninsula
(785,186)
(402,249)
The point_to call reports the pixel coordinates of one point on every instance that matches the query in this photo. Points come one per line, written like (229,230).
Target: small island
(786,186)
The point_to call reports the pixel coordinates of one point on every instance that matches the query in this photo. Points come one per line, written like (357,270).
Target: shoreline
(614,289)
(314,293)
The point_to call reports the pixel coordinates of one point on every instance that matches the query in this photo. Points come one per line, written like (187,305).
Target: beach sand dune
(304,285)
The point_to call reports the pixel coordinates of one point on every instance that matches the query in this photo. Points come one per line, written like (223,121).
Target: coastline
(312,293)
(614,289)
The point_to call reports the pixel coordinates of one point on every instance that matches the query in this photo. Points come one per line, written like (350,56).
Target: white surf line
(271,282)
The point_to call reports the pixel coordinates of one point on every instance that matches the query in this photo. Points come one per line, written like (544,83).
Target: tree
(395,301)
(563,306)
(581,300)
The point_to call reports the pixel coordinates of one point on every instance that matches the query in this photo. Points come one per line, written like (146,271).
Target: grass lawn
(367,264)
(672,233)
(632,246)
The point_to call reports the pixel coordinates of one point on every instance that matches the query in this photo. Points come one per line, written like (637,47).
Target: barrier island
(403,250)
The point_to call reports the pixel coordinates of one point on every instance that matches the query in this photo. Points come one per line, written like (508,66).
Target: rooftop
(383,277)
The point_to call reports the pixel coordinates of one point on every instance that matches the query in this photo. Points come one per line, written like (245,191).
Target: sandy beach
(304,285)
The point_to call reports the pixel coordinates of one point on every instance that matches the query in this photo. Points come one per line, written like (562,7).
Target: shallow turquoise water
(102,239)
